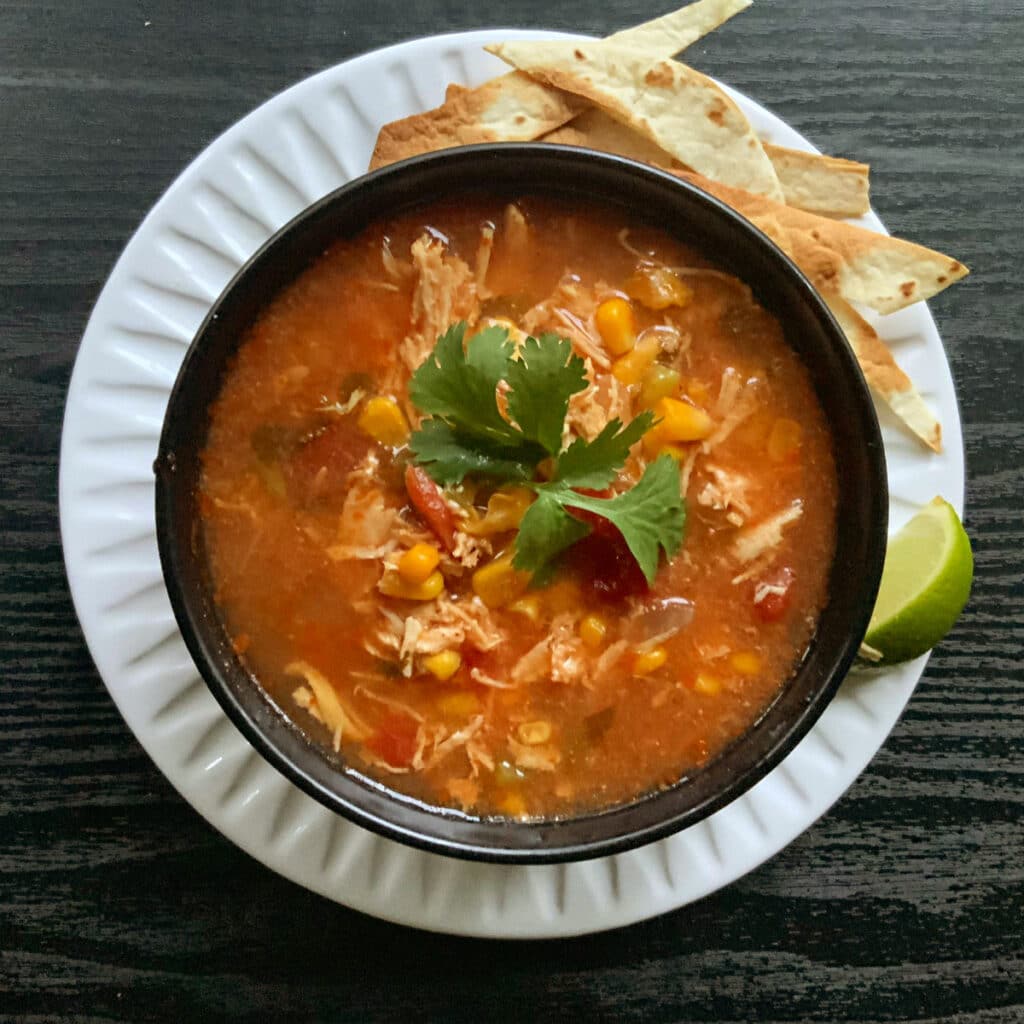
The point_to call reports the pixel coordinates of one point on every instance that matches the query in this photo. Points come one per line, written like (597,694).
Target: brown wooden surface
(117,901)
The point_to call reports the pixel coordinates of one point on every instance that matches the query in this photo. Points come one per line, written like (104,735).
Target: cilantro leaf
(459,385)
(542,380)
(596,463)
(544,533)
(650,516)
(450,455)
(466,434)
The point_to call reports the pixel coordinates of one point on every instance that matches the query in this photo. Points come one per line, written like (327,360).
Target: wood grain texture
(117,902)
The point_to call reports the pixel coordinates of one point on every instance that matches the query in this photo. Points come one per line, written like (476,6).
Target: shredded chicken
(517,232)
(763,590)
(397,270)
(568,663)
(445,292)
(411,633)
(324,704)
(590,411)
(389,702)
(713,653)
(725,492)
(364,527)
(479,756)
(457,739)
(534,664)
(685,471)
(610,657)
(559,656)
(435,626)
(469,550)
(754,541)
(483,259)
(734,404)
(569,310)
(756,567)
(481,677)
(543,759)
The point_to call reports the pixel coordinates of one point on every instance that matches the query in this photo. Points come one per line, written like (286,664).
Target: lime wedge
(925,584)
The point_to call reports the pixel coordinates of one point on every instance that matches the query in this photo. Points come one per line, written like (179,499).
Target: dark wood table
(118,902)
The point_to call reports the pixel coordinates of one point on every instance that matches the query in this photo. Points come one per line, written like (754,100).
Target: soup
(579,597)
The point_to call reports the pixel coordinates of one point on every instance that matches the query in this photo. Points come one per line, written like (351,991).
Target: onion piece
(659,621)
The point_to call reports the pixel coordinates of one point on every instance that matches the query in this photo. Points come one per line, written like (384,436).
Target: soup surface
(382,611)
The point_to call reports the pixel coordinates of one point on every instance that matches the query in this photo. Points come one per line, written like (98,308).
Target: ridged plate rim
(284,155)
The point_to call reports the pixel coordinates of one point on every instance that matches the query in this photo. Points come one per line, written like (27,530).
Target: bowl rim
(543,850)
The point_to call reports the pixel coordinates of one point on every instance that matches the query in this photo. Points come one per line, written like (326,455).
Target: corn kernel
(384,421)
(630,368)
(784,439)
(418,562)
(659,382)
(393,585)
(534,733)
(443,665)
(462,704)
(528,607)
(593,630)
(650,661)
(677,451)
(615,323)
(679,421)
(657,288)
(505,511)
(498,583)
(707,684)
(512,805)
(747,663)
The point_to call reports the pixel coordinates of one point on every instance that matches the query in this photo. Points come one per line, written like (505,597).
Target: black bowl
(644,195)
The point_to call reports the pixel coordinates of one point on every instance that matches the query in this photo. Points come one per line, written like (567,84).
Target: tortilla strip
(674,32)
(884,375)
(862,266)
(595,129)
(512,108)
(818,184)
(827,185)
(515,108)
(679,109)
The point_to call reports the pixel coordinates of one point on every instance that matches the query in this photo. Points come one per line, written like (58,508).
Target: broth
(592,689)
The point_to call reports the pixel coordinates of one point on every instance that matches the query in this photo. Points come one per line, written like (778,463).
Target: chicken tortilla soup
(520,508)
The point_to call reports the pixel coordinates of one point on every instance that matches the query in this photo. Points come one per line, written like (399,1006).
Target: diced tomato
(602,560)
(426,498)
(395,740)
(317,469)
(600,526)
(773,606)
(606,567)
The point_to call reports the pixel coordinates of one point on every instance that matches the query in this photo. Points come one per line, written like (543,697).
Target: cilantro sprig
(467,434)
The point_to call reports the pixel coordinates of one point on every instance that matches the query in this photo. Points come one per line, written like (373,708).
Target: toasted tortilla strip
(512,108)
(883,374)
(515,108)
(859,265)
(674,32)
(597,130)
(819,184)
(679,109)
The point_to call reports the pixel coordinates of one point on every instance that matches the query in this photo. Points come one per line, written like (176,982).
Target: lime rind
(925,584)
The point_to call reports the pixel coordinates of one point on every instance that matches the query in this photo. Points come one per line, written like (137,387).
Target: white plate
(283,156)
